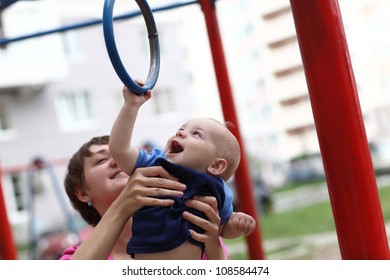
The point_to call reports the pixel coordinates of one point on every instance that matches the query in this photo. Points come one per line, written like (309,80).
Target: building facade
(58,91)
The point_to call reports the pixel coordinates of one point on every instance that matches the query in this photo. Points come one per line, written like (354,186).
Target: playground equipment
(108,29)
(338,119)
(7,245)
(342,137)
(40,165)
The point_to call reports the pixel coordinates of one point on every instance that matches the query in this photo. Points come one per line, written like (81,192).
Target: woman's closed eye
(101,160)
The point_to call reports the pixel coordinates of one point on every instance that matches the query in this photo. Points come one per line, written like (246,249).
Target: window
(4,122)
(6,130)
(17,190)
(73,46)
(13,192)
(74,111)
(163,101)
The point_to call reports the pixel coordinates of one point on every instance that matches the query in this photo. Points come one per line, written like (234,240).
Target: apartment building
(291,131)
(58,91)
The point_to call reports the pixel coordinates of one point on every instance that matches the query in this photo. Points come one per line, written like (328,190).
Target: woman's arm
(214,248)
(138,192)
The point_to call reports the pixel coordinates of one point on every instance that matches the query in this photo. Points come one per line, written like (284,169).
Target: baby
(203,155)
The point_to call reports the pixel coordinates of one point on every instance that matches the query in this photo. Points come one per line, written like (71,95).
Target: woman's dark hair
(74,180)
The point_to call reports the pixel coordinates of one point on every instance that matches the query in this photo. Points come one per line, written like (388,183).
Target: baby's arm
(239,223)
(121,150)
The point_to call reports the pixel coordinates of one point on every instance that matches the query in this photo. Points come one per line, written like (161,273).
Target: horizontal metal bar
(5,41)
(6,3)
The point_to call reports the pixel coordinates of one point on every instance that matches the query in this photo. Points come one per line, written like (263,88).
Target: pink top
(70,251)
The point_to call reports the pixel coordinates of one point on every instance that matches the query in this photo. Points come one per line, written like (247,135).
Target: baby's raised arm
(120,146)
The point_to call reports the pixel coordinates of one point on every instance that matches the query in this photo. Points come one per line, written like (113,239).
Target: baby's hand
(244,223)
(134,99)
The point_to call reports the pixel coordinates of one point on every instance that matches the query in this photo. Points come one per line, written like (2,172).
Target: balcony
(32,62)
(285,57)
(297,116)
(291,86)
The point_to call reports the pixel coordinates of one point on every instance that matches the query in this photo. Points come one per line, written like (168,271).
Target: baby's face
(195,144)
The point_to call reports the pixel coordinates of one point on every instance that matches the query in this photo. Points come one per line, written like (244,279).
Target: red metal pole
(7,245)
(340,129)
(244,183)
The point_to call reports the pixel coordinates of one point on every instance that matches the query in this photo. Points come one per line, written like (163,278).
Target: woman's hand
(145,186)
(208,206)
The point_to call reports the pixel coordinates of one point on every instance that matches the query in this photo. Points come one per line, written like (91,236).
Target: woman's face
(104,181)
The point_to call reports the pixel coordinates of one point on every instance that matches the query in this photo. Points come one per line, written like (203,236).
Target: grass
(308,220)
(296,185)
(317,218)
(384,194)
(312,219)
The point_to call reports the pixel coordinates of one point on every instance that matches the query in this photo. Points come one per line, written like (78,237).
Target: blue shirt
(157,229)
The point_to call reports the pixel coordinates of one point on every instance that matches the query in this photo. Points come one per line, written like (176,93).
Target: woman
(107,199)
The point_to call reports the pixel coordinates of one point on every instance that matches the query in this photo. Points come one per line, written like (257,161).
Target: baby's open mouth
(175,147)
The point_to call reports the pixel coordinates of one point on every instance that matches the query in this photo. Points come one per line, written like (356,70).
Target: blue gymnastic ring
(112,50)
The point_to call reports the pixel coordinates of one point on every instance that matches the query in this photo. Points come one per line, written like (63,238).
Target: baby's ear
(217,167)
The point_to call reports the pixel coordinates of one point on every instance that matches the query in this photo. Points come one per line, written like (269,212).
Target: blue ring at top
(112,50)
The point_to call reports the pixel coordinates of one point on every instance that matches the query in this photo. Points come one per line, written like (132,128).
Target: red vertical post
(340,128)
(7,245)
(243,179)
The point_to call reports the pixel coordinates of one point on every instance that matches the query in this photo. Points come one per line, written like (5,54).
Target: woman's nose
(112,163)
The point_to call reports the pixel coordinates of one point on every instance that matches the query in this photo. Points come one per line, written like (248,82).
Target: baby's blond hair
(229,149)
